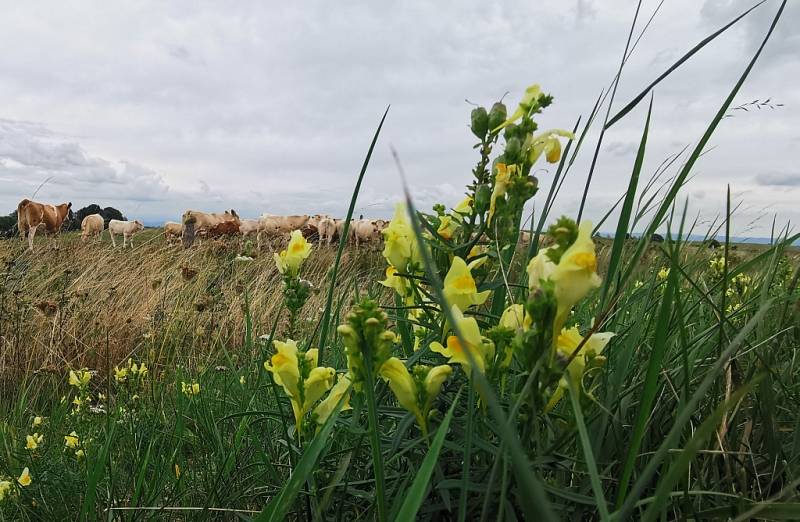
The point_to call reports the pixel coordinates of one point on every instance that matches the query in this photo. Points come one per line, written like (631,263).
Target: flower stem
(377,456)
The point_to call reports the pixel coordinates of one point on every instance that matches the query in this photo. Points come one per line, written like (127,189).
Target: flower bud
(479,122)
(497,115)
(513,147)
(483,195)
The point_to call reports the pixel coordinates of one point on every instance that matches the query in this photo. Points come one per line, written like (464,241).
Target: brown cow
(226,228)
(32,215)
(200,223)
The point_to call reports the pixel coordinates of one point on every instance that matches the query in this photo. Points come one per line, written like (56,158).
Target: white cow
(364,230)
(279,226)
(92,225)
(126,228)
(172,231)
(327,229)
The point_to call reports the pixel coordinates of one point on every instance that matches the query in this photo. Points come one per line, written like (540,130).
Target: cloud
(778,179)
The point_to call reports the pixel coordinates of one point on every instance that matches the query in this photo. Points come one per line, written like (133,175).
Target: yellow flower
(398,283)
(190,389)
(477,346)
(531,95)
(576,273)
(400,244)
(25,478)
(32,441)
(540,268)
(37,421)
(242,380)
(464,208)
(514,317)
(663,274)
(459,286)
(120,374)
(142,371)
(297,251)
(80,378)
(325,408)
(177,471)
(501,181)
(80,454)
(72,440)
(6,489)
(415,393)
(548,143)
(286,370)
(568,340)
(447,227)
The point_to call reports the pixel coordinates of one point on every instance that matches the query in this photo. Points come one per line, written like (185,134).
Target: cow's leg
(113,241)
(124,240)
(31,234)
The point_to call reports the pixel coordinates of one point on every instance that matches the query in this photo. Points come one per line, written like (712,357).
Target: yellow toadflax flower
(25,478)
(80,454)
(547,142)
(415,393)
(568,340)
(72,440)
(480,348)
(663,274)
(501,182)
(514,317)
(301,379)
(400,245)
(447,227)
(120,374)
(326,406)
(6,489)
(540,268)
(398,283)
(576,273)
(80,378)
(190,389)
(37,421)
(32,441)
(464,208)
(290,260)
(531,95)
(459,286)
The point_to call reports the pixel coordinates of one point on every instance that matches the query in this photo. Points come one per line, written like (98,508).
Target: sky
(157,107)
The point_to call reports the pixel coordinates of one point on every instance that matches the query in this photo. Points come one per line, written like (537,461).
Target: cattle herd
(194,224)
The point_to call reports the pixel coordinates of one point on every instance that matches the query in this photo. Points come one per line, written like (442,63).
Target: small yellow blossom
(80,454)
(531,95)
(400,245)
(540,268)
(37,421)
(663,274)
(80,378)
(447,227)
(32,441)
(398,283)
(464,208)
(547,142)
(25,478)
(190,389)
(502,180)
(290,260)
(120,374)
(480,348)
(177,471)
(6,489)
(514,317)
(72,440)
(326,406)
(567,342)
(415,393)
(242,380)
(460,288)
(576,273)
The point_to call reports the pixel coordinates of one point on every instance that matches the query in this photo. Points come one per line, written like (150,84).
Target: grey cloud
(778,179)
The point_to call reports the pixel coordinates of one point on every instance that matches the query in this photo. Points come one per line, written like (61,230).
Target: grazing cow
(126,228)
(32,215)
(251,227)
(92,226)
(199,223)
(225,228)
(364,230)
(327,230)
(172,230)
(282,226)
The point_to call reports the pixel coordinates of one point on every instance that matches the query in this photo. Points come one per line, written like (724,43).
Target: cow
(199,223)
(92,225)
(364,230)
(280,226)
(327,230)
(224,228)
(32,215)
(126,228)
(172,231)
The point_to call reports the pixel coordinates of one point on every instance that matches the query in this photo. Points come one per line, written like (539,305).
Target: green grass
(689,412)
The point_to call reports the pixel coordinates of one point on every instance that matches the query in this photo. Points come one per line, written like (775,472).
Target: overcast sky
(156,107)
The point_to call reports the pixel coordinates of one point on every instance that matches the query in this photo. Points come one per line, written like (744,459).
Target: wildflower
(447,227)
(80,454)
(547,142)
(567,342)
(396,282)
(37,421)
(120,374)
(72,440)
(77,402)
(576,272)
(531,96)
(515,318)
(415,393)
(400,245)
(297,372)
(501,181)
(459,286)
(638,284)
(80,378)
(33,441)
(25,478)
(190,389)
(663,274)
(142,373)
(480,348)
(290,260)
(242,380)
(6,489)
(540,268)
(326,406)
(464,208)
(367,341)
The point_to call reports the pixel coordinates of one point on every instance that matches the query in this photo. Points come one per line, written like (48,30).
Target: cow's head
(139,224)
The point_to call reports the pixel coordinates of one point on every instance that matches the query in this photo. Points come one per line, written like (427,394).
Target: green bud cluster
(564,232)
(368,344)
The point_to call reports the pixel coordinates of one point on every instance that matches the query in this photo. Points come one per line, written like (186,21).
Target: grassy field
(451,373)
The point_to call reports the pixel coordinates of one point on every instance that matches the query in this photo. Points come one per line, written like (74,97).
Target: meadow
(451,372)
